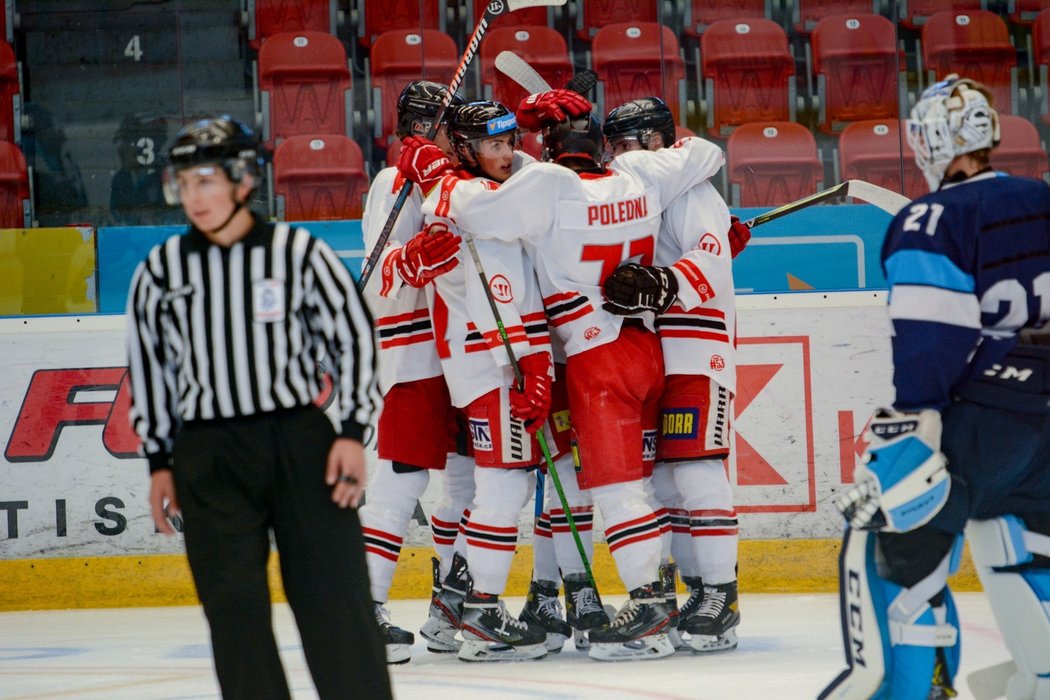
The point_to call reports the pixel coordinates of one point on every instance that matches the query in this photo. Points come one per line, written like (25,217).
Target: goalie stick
(991,681)
(887,200)
(493,10)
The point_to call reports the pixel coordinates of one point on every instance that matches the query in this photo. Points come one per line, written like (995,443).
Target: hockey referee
(227,324)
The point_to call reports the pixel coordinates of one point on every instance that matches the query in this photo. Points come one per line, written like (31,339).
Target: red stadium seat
(772,163)
(877,151)
(639,59)
(1020,151)
(748,74)
(593,15)
(393,151)
(381,16)
(975,45)
(532,143)
(267,17)
(543,48)
(680,132)
(319,177)
(10,95)
(807,13)
(14,187)
(305,85)
(859,74)
(915,13)
(400,56)
(699,14)
(1041,59)
(530,16)
(1026,11)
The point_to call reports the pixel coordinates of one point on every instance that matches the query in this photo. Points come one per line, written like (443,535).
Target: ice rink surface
(789,649)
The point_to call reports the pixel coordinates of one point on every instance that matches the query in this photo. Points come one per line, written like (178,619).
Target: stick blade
(513,5)
(887,200)
(518,69)
(583,81)
(990,682)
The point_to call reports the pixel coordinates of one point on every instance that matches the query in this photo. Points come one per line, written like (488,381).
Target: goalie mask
(577,144)
(221,141)
(952,118)
(418,106)
(472,125)
(638,120)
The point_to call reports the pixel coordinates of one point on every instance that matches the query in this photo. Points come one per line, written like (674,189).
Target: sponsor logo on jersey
(268,300)
(561,421)
(648,445)
(709,244)
(617,212)
(516,444)
(718,363)
(481,434)
(1009,372)
(679,423)
(501,289)
(592,333)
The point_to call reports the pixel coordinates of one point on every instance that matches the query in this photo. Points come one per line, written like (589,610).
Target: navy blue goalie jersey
(968,267)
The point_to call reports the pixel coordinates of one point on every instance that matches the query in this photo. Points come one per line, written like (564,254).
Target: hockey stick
(520,380)
(518,69)
(991,681)
(493,10)
(887,200)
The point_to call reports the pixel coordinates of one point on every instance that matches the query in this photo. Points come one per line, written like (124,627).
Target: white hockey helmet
(952,118)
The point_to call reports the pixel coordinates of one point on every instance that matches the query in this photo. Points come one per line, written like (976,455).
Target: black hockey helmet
(418,106)
(473,121)
(576,143)
(223,141)
(640,119)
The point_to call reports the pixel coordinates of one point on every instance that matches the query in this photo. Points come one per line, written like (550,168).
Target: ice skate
(543,609)
(446,607)
(713,627)
(695,584)
(583,609)
(668,577)
(639,630)
(398,642)
(490,633)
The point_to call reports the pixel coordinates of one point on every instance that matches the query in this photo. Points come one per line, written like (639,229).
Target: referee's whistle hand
(162,502)
(345,471)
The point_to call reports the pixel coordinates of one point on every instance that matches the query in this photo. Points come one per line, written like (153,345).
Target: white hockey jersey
(578,228)
(404,333)
(698,333)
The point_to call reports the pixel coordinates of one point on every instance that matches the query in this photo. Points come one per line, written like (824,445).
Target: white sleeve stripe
(920,303)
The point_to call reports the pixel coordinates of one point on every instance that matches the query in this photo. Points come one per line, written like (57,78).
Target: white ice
(790,647)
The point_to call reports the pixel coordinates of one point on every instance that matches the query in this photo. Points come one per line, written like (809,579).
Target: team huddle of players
(574,314)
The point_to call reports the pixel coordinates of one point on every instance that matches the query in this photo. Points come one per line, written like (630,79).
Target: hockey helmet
(418,105)
(469,124)
(952,118)
(640,119)
(576,143)
(223,141)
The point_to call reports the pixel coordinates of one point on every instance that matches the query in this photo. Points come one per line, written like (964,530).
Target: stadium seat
(380,16)
(638,60)
(393,150)
(859,73)
(304,83)
(528,16)
(532,143)
(748,74)
(10,95)
(680,132)
(699,14)
(542,47)
(976,45)
(1041,60)
(593,15)
(1020,151)
(14,187)
(807,13)
(267,17)
(1026,11)
(915,13)
(400,56)
(772,163)
(876,151)
(319,177)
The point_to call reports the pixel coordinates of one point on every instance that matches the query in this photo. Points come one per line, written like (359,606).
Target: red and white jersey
(404,332)
(579,228)
(698,333)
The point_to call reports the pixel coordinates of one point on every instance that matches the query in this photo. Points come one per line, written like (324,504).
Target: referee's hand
(162,501)
(346,472)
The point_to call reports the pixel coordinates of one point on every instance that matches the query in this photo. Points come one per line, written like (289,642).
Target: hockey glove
(739,235)
(545,109)
(903,480)
(422,162)
(534,403)
(634,288)
(428,254)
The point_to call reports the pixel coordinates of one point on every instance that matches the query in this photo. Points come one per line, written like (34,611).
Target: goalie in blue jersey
(966,446)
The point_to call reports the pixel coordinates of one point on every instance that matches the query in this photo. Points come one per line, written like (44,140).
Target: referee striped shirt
(222,332)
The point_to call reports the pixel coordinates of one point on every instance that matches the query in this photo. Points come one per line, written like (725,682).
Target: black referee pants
(236,480)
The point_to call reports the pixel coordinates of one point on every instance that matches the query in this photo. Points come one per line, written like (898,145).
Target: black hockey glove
(634,288)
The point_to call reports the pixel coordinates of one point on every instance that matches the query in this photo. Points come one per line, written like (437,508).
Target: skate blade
(581,640)
(654,646)
(398,653)
(440,636)
(554,642)
(475,650)
(706,644)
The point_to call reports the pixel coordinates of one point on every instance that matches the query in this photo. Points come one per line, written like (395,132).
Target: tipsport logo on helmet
(499,125)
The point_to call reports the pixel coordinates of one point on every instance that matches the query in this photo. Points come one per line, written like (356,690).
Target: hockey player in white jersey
(691,287)
(410,377)
(578,223)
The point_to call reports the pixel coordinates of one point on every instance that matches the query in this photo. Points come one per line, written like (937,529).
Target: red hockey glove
(428,254)
(635,288)
(534,403)
(422,162)
(739,235)
(549,108)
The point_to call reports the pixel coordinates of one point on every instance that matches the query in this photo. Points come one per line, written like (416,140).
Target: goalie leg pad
(891,633)
(1003,550)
